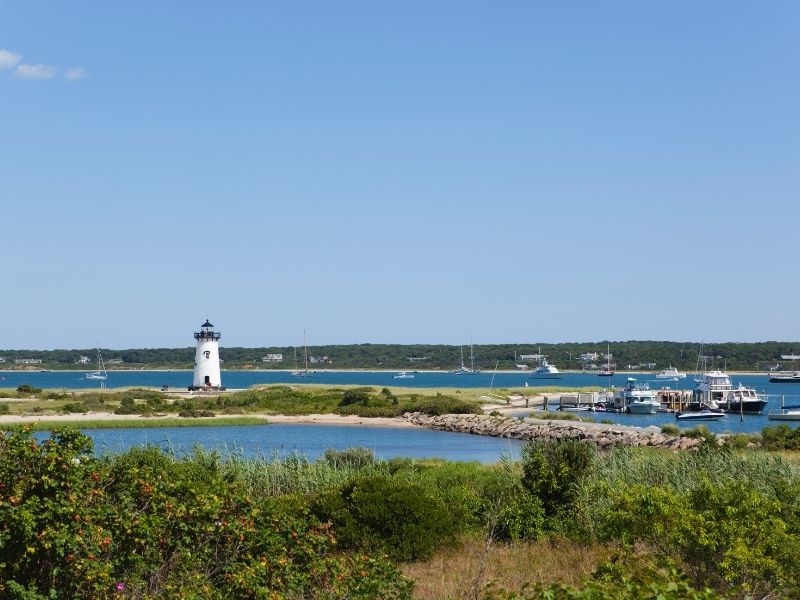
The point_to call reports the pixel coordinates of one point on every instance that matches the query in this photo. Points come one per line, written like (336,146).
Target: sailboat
(608,370)
(464,369)
(305,372)
(100,374)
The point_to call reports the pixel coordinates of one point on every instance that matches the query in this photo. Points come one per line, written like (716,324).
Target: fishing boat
(715,390)
(545,371)
(100,374)
(670,373)
(636,398)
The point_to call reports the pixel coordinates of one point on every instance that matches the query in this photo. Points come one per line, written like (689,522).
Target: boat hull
(642,409)
(700,416)
(793,415)
(747,408)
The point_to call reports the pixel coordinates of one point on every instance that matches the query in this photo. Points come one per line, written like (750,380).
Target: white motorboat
(545,371)
(636,398)
(785,413)
(403,375)
(700,415)
(714,389)
(787,377)
(670,373)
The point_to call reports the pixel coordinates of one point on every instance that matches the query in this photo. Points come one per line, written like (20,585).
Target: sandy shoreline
(330,419)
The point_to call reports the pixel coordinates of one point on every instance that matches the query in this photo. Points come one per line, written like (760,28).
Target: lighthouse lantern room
(206,359)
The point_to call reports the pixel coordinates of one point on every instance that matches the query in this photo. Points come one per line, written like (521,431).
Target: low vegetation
(565,522)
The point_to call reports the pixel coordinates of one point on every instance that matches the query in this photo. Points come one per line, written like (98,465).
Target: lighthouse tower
(206,359)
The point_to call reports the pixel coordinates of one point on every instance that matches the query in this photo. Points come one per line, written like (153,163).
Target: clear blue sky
(398,172)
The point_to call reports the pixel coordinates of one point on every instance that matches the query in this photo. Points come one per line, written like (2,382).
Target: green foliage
(730,537)
(670,429)
(382,513)
(781,437)
(444,405)
(355,396)
(521,517)
(4,408)
(355,458)
(552,471)
(28,389)
(147,525)
(614,582)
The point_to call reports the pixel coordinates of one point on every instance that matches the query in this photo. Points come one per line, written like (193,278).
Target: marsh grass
(459,573)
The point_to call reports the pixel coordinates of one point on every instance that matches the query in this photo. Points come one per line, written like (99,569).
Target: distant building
(317,360)
(790,356)
(84,360)
(272,358)
(531,357)
(27,361)
(589,356)
(2,359)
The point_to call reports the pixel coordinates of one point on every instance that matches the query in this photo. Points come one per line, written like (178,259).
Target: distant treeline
(642,355)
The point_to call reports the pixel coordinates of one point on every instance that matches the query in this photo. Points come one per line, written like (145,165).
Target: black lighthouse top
(206,332)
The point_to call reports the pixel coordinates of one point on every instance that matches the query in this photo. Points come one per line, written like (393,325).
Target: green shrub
(521,517)
(781,437)
(381,513)
(353,458)
(148,525)
(4,408)
(552,471)
(670,429)
(728,536)
(355,396)
(28,389)
(444,405)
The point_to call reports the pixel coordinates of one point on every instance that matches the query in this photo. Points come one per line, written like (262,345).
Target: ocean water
(311,441)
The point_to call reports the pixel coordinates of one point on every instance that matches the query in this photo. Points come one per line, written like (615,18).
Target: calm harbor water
(312,440)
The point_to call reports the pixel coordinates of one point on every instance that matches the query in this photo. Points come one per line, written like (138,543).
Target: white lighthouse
(206,359)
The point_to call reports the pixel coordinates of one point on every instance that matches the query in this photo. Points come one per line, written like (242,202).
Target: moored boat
(786,377)
(714,390)
(545,371)
(700,415)
(670,373)
(403,375)
(636,398)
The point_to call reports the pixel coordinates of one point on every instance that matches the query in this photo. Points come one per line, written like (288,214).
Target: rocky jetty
(603,435)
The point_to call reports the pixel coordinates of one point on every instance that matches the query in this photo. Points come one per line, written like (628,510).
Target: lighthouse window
(207,353)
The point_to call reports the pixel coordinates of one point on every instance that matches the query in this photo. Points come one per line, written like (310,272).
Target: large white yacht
(545,371)
(715,390)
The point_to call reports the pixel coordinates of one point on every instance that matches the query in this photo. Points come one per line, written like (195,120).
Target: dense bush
(28,389)
(781,437)
(386,514)
(553,470)
(145,525)
(730,537)
(443,405)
